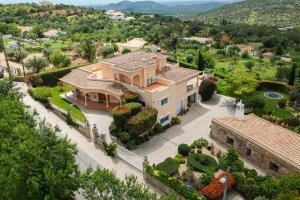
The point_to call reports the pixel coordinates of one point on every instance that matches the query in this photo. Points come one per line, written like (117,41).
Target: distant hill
(167,8)
(271,12)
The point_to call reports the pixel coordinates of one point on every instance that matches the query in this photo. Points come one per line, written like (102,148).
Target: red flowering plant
(215,189)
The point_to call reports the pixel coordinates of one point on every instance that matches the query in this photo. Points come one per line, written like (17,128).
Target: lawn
(64,104)
(272,105)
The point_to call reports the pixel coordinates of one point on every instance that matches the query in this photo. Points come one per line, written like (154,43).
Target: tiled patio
(93,104)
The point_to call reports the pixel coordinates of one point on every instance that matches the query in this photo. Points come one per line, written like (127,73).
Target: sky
(85,2)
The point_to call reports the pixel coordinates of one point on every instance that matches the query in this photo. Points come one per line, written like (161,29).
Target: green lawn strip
(56,99)
(272,105)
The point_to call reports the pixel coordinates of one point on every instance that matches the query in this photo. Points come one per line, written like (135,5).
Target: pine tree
(292,75)
(201,61)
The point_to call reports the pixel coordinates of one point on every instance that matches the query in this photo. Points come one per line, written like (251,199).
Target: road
(89,154)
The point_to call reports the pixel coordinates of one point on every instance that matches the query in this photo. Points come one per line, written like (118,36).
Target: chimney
(240,111)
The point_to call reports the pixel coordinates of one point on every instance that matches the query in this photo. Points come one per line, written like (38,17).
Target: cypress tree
(201,61)
(292,75)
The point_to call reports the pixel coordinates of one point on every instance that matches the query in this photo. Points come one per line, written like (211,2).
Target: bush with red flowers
(215,189)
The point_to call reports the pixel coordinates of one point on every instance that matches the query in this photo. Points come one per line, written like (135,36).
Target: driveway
(195,124)
(89,154)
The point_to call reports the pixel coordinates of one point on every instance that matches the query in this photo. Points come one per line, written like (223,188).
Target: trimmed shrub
(179,159)
(207,89)
(113,129)
(184,149)
(215,189)
(169,166)
(134,107)
(124,137)
(121,114)
(142,122)
(110,149)
(175,121)
(274,85)
(158,128)
(202,162)
(41,94)
(131,97)
(206,178)
(200,143)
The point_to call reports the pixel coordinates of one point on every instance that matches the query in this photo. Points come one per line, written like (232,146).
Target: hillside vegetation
(269,12)
(166,8)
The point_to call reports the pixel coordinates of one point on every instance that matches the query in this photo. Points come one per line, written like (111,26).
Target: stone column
(145,165)
(106,100)
(85,99)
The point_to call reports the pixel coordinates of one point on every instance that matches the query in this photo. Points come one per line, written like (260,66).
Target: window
(274,167)
(230,140)
(164,120)
(248,152)
(151,80)
(164,101)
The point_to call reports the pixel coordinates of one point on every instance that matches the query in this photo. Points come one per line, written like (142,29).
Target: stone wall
(259,155)
(155,182)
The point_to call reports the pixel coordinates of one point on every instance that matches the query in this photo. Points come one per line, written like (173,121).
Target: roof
(200,39)
(176,73)
(81,78)
(136,42)
(51,33)
(133,61)
(281,142)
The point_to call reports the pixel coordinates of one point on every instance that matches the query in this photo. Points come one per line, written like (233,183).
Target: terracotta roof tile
(275,139)
(133,61)
(175,73)
(80,78)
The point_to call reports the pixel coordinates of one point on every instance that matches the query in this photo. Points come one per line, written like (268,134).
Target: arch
(124,79)
(137,80)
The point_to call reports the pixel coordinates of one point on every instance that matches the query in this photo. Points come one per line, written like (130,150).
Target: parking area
(195,124)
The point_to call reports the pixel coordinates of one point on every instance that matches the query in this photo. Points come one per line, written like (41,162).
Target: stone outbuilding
(273,148)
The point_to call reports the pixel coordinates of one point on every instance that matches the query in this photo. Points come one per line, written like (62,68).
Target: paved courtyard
(194,125)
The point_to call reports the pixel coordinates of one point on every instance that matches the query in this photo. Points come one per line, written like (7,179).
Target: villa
(164,86)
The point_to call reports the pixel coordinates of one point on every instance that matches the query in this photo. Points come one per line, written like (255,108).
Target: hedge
(184,149)
(131,97)
(184,64)
(41,94)
(178,186)
(142,122)
(51,77)
(274,85)
(121,115)
(169,166)
(134,107)
(202,162)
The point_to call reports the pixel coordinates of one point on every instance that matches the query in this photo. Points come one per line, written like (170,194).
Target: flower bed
(215,189)
(178,186)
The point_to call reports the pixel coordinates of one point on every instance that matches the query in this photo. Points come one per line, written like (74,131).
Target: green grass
(271,105)
(64,104)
